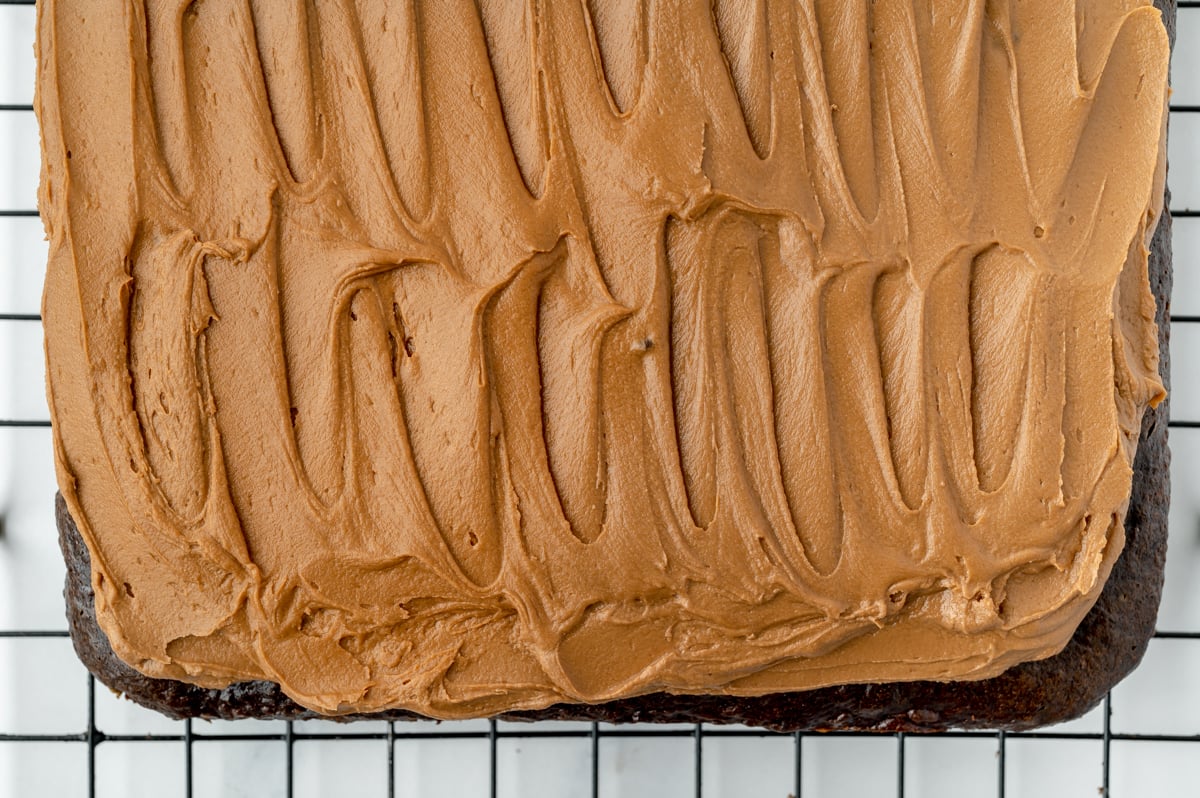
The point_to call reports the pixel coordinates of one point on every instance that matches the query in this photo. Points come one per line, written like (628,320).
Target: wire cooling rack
(61,735)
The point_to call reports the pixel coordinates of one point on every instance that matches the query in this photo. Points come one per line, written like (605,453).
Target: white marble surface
(43,689)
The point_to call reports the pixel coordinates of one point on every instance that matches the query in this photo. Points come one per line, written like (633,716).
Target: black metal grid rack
(396,735)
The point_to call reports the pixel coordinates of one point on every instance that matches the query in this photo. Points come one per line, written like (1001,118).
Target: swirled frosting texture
(473,355)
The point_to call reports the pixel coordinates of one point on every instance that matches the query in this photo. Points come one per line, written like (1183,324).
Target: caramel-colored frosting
(472,355)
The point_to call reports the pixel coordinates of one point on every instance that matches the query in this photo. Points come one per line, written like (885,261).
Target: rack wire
(393,737)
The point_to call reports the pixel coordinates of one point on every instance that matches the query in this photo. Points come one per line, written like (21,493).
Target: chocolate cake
(561,381)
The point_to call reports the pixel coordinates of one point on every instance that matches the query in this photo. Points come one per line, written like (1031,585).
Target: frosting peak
(475,355)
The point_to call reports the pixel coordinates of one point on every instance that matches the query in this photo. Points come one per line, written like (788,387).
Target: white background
(45,691)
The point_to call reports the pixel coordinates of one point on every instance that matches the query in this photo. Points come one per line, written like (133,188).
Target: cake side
(962,611)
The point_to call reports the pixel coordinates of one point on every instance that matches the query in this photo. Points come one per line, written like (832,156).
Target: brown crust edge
(1108,644)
